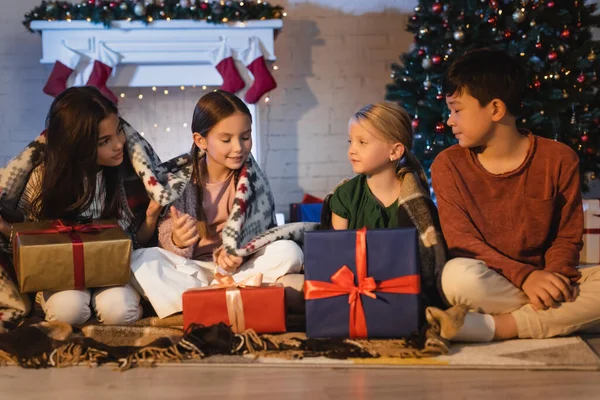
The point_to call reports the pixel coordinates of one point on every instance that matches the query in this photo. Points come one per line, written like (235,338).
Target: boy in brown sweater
(511,213)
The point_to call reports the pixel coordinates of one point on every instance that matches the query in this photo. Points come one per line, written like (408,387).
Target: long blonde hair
(391,123)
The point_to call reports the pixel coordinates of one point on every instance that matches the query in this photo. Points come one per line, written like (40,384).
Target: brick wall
(332,60)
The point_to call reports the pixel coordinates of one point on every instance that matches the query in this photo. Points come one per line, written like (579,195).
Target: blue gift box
(392,255)
(310,212)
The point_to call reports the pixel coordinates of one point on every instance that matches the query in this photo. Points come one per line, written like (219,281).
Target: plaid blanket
(249,228)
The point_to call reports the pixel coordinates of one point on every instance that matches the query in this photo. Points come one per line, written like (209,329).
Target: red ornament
(494,3)
(440,127)
(112,4)
(537,84)
(565,34)
(414,18)
(581,78)
(445,24)
(508,34)
(439,96)
(591,151)
(550,4)
(421,52)
(436,59)
(203,6)
(437,8)
(552,56)
(585,138)
(492,20)
(415,123)
(92,2)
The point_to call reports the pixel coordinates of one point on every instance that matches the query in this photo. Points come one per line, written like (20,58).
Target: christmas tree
(552,38)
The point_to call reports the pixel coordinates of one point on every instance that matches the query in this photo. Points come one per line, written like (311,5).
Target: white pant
(162,276)
(116,305)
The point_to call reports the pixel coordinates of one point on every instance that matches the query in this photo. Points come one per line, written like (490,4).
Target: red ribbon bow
(342,283)
(59,226)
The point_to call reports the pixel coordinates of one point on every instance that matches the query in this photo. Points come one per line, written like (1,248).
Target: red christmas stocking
(263,80)
(225,64)
(57,82)
(101,72)
(63,68)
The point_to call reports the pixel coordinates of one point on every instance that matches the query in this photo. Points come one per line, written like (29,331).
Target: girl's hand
(185,231)
(4,228)
(153,211)
(228,262)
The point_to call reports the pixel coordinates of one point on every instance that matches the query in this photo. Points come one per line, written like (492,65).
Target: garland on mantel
(105,12)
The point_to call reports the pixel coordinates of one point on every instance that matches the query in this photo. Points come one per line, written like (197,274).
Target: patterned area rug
(41,344)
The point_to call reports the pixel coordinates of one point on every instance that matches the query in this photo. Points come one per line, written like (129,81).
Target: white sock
(477,328)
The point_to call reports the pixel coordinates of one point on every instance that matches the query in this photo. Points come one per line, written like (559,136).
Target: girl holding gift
(79,177)
(390,189)
(220,220)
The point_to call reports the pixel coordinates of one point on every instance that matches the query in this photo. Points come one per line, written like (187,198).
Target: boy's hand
(185,231)
(546,289)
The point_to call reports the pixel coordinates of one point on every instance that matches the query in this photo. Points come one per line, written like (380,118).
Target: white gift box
(590,254)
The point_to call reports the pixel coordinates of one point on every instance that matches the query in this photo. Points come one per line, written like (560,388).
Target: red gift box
(590,253)
(245,305)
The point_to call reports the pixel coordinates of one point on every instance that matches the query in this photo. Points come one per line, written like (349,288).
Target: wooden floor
(209,382)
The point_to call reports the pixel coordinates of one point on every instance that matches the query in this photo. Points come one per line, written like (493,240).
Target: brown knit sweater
(516,222)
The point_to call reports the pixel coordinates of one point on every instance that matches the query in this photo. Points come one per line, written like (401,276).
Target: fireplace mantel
(161,54)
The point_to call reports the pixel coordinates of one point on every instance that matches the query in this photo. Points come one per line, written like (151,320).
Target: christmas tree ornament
(427,83)
(459,35)
(581,78)
(565,34)
(415,123)
(439,95)
(537,84)
(565,95)
(426,63)
(424,31)
(585,137)
(538,43)
(550,4)
(184,3)
(507,34)
(532,23)
(421,52)
(414,18)
(437,8)
(492,20)
(418,9)
(592,56)
(436,59)
(552,56)
(50,7)
(139,9)
(440,127)
(518,16)
(123,6)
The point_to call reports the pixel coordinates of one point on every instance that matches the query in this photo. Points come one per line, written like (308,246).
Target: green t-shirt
(355,202)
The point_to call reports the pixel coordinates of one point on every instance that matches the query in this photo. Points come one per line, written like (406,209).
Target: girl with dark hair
(79,179)
(219,218)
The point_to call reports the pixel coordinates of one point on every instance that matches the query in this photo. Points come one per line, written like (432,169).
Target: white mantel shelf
(162,53)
